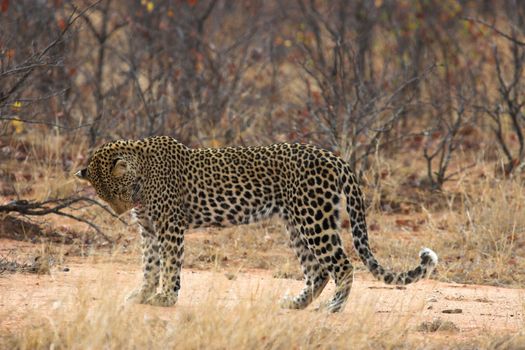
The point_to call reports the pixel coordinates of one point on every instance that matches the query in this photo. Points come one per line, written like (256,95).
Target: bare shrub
(355,105)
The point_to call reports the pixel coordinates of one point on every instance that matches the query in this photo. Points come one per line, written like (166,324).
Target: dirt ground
(472,309)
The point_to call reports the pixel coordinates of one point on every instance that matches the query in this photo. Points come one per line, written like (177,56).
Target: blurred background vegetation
(362,78)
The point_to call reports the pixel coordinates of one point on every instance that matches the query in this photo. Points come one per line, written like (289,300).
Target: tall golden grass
(97,317)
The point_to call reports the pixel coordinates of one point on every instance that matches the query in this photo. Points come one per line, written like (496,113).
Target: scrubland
(423,99)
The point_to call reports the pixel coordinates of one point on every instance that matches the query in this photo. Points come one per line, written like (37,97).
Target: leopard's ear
(120,167)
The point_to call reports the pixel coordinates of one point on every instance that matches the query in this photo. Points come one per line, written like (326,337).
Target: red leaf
(10,54)
(4,6)
(61,23)
(374,227)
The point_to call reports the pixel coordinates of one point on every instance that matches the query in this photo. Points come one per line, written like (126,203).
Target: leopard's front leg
(150,262)
(171,251)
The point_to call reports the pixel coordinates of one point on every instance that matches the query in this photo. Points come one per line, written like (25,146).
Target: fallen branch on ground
(56,206)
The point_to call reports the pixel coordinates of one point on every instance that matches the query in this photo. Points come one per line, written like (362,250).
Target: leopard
(172,188)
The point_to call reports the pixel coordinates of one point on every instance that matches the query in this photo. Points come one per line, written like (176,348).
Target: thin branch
(55,206)
(36,58)
(87,222)
(496,30)
(44,123)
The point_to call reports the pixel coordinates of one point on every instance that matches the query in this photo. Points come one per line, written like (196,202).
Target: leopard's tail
(356,211)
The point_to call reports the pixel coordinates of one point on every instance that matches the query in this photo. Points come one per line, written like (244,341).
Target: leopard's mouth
(135,195)
(119,207)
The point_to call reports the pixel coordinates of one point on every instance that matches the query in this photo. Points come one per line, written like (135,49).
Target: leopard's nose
(81,174)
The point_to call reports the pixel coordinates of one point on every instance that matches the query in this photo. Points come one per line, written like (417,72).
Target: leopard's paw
(291,302)
(141,295)
(162,299)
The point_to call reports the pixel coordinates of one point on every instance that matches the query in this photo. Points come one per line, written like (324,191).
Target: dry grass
(437,325)
(476,225)
(485,243)
(97,317)
(32,258)
(210,326)
(257,246)
(37,264)
(84,320)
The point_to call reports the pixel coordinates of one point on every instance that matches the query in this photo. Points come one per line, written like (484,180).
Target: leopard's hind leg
(323,240)
(315,276)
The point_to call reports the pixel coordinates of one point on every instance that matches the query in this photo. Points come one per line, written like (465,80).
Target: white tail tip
(431,253)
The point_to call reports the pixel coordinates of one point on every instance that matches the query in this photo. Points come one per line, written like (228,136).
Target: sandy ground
(475,309)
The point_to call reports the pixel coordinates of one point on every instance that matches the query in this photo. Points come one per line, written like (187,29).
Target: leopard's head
(112,170)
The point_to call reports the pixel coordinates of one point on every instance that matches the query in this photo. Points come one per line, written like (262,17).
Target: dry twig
(56,206)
